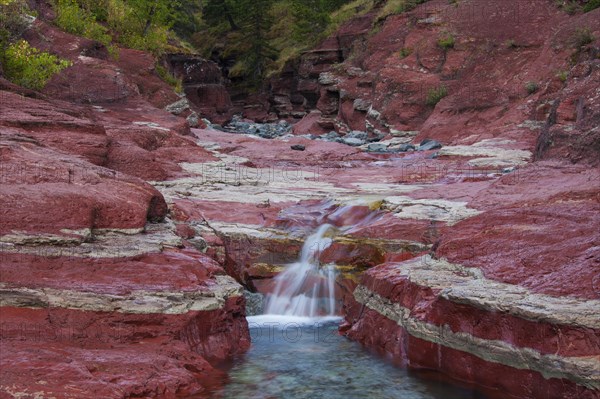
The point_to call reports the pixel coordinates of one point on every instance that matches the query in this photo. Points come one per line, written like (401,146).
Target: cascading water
(296,349)
(306,288)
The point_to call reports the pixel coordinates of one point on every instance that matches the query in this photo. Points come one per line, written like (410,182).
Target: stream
(302,359)
(297,352)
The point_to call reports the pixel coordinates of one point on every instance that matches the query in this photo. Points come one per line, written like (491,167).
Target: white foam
(282,321)
(306,289)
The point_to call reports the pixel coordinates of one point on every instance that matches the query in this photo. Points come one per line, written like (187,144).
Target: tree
(256,23)
(186,17)
(216,11)
(153,12)
(312,16)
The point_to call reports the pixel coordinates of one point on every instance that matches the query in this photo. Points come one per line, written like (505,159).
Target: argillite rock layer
(128,237)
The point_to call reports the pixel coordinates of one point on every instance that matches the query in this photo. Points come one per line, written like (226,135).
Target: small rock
(352,141)
(355,72)
(377,147)
(406,148)
(307,136)
(377,136)
(254,303)
(151,125)
(403,133)
(431,20)
(264,130)
(327,78)
(264,204)
(215,126)
(96,108)
(178,107)
(331,136)
(362,105)
(193,120)
(357,134)
(373,113)
(429,144)
(281,100)
(298,114)
(298,147)
(199,243)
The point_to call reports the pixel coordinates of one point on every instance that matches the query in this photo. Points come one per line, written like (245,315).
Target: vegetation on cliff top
(139,24)
(20,62)
(257,37)
(30,67)
(254,38)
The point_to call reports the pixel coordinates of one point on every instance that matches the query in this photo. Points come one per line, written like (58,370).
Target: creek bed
(303,359)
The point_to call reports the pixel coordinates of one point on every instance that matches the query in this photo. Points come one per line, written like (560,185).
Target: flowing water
(305,289)
(297,352)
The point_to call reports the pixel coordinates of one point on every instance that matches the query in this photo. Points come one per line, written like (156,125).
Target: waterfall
(306,288)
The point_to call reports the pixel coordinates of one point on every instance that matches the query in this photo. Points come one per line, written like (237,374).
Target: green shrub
(532,87)
(570,7)
(583,37)
(81,17)
(155,40)
(393,7)
(13,20)
(129,26)
(405,52)
(165,75)
(562,76)
(78,21)
(591,5)
(435,95)
(30,67)
(347,12)
(446,42)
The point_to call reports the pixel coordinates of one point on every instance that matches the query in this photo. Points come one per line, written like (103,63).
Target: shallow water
(304,359)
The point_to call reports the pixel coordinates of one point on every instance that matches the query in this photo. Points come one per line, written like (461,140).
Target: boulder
(327,78)
(362,105)
(377,147)
(298,147)
(428,144)
(353,141)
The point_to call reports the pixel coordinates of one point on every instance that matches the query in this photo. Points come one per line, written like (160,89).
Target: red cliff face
(520,276)
(100,296)
(479,259)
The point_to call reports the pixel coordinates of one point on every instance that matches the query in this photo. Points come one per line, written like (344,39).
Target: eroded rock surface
(478,259)
(99,295)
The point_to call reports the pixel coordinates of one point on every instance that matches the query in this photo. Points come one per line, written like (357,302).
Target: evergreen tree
(216,11)
(255,23)
(312,16)
(186,17)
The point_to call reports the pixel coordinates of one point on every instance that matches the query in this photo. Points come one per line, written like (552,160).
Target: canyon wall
(100,294)
(127,236)
(497,284)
